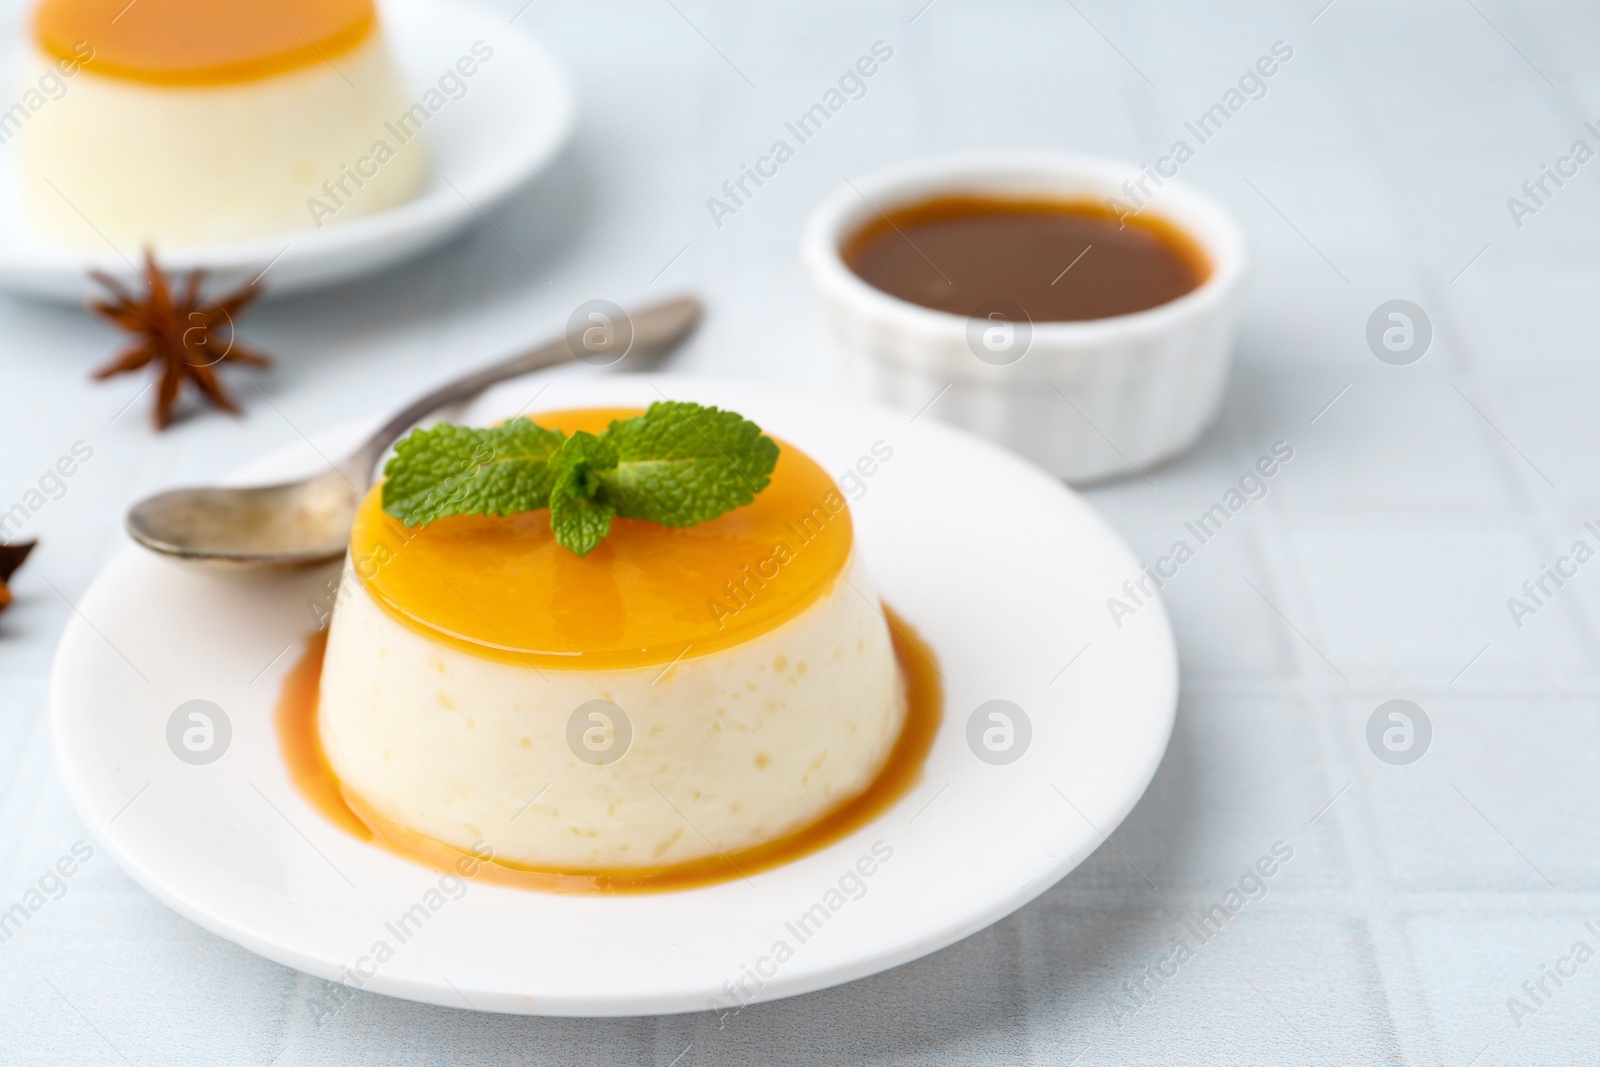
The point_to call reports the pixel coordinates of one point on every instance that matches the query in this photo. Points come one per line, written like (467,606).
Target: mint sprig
(678,464)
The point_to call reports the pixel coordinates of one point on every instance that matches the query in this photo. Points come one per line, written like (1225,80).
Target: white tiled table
(1380,161)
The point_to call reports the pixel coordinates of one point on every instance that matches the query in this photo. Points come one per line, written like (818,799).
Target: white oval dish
(1087,400)
(1002,571)
(509,125)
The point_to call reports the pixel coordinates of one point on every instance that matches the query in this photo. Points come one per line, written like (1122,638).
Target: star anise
(183,337)
(11,557)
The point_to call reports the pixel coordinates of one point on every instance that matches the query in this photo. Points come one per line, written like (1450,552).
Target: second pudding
(191,121)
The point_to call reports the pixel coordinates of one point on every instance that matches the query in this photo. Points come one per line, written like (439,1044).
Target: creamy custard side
(727,750)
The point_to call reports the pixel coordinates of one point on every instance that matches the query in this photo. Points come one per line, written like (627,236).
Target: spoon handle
(653,328)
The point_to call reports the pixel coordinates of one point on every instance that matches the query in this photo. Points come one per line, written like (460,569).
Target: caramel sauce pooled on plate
(309,769)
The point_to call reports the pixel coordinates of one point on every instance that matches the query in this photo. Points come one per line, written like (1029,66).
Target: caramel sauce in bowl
(941,283)
(961,254)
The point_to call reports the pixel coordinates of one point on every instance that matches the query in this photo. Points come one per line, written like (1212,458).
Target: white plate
(1003,570)
(511,124)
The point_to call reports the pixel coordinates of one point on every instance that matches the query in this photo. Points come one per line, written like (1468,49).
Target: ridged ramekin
(1087,400)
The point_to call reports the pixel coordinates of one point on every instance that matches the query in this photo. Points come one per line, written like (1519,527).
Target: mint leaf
(579,522)
(680,464)
(583,452)
(459,470)
(580,512)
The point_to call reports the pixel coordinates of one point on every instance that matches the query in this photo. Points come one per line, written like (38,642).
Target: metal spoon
(308,521)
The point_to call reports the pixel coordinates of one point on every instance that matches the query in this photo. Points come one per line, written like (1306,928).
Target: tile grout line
(1348,821)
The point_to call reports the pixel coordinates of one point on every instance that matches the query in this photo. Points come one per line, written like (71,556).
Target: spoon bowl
(291,525)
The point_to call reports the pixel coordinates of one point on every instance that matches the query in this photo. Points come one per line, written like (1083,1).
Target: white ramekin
(1086,400)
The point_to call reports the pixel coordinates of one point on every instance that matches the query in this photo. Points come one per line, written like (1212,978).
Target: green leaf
(459,470)
(580,513)
(677,464)
(680,464)
(583,451)
(578,522)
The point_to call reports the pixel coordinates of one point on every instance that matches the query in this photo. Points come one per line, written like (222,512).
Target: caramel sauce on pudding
(500,587)
(202,42)
(321,788)
(1056,260)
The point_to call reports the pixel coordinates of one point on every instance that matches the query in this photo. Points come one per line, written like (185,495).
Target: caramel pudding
(1055,260)
(188,121)
(676,694)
